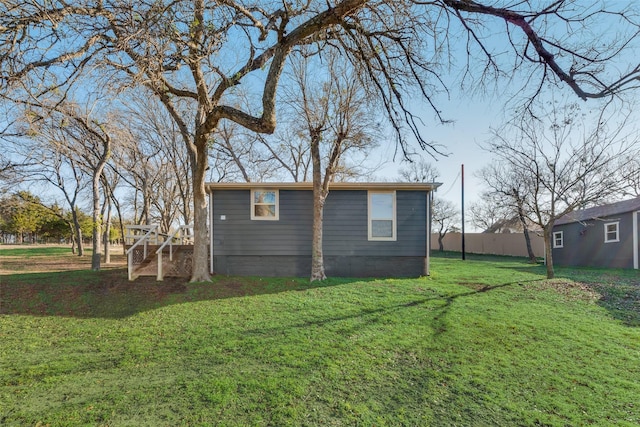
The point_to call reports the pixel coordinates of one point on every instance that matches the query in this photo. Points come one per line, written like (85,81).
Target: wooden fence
(490,243)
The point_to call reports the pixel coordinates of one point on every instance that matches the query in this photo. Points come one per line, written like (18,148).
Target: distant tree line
(24,219)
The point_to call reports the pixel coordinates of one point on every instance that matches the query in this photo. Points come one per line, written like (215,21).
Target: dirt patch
(572,291)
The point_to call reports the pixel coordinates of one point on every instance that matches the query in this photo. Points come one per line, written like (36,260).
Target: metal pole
(462,180)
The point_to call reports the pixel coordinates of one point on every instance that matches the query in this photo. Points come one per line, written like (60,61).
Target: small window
(382,216)
(558,239)
(264,205)
(611,232)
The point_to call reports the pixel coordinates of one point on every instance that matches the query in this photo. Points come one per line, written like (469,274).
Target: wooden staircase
(147,255)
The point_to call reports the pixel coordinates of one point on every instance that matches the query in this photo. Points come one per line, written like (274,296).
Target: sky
(472,119)
(460,142)
(474,115)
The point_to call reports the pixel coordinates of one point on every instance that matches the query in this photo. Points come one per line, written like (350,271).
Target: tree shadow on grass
(376,314)
(108,293)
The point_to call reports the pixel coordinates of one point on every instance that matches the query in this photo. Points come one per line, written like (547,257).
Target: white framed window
(382,215)
(558,239)
(611,233)
(265,205)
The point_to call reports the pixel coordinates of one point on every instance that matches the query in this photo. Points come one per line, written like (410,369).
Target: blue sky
(460,140)
(474,113)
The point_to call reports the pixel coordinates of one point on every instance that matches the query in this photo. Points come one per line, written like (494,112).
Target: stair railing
(182,236)
(137,232)
(144,240)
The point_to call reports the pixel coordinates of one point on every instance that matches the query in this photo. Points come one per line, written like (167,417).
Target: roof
(419,186)
(601,211)
(513,224)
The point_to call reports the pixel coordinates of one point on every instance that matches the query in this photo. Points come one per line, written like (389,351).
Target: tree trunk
(548,238)
(317,256)
(440,243)
(78,231)
(107,233)
(200,272)
(96,223)
(527,239)
(319,197)
(146,202)
(121,225)
(73,238)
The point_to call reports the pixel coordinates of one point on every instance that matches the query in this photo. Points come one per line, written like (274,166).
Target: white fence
(512,244)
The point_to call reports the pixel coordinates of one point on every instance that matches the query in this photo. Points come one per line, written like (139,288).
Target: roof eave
(389,186)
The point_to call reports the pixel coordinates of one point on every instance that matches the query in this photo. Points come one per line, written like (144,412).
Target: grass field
(480,342)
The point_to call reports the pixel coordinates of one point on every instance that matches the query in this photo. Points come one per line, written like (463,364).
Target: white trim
(254,217)
(428,236)
(333,186)
(553,239)
(370,219)
(635,240)
(211,232)
(617,231)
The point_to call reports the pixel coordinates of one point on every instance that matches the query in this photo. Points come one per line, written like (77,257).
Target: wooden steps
(177,261)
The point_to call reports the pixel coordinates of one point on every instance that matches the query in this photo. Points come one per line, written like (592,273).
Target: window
(264,205)
(558,239)
(611,232)
(382,216)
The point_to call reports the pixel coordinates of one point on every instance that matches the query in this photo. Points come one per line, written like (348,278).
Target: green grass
(35,251)
(478,343)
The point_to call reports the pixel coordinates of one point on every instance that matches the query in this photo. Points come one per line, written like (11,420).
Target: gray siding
(345,225)
(335,266)
(584,244)
(239,235)
(283,247)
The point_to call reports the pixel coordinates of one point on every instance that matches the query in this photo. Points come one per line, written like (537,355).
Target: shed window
(558,239)
(264,205)
(382,216)
(611,232)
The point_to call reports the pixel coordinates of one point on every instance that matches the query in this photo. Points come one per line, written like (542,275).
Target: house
(370,229)
(602,236)
(512,225)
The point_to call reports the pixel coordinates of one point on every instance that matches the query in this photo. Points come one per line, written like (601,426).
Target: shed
(602,236)
(369,230)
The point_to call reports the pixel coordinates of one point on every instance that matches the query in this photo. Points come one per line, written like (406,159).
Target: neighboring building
(370,229)
(603,236)
(513,225)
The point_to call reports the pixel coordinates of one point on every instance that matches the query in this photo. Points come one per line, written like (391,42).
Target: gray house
(603,236)
(370,229)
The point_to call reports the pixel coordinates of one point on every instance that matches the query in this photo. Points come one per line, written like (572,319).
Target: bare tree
(489,213)
(241,155)
(508,193)
(445,218)
(629,172)
(419,171)
(559,164)
(93,145)
(334,117)
(151,161)
(289,152)
(49,161)
(193,54)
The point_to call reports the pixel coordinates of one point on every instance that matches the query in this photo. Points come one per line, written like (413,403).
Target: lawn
(481,342)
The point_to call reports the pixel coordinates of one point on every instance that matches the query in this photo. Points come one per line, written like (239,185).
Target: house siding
(242,246)
(584,243)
